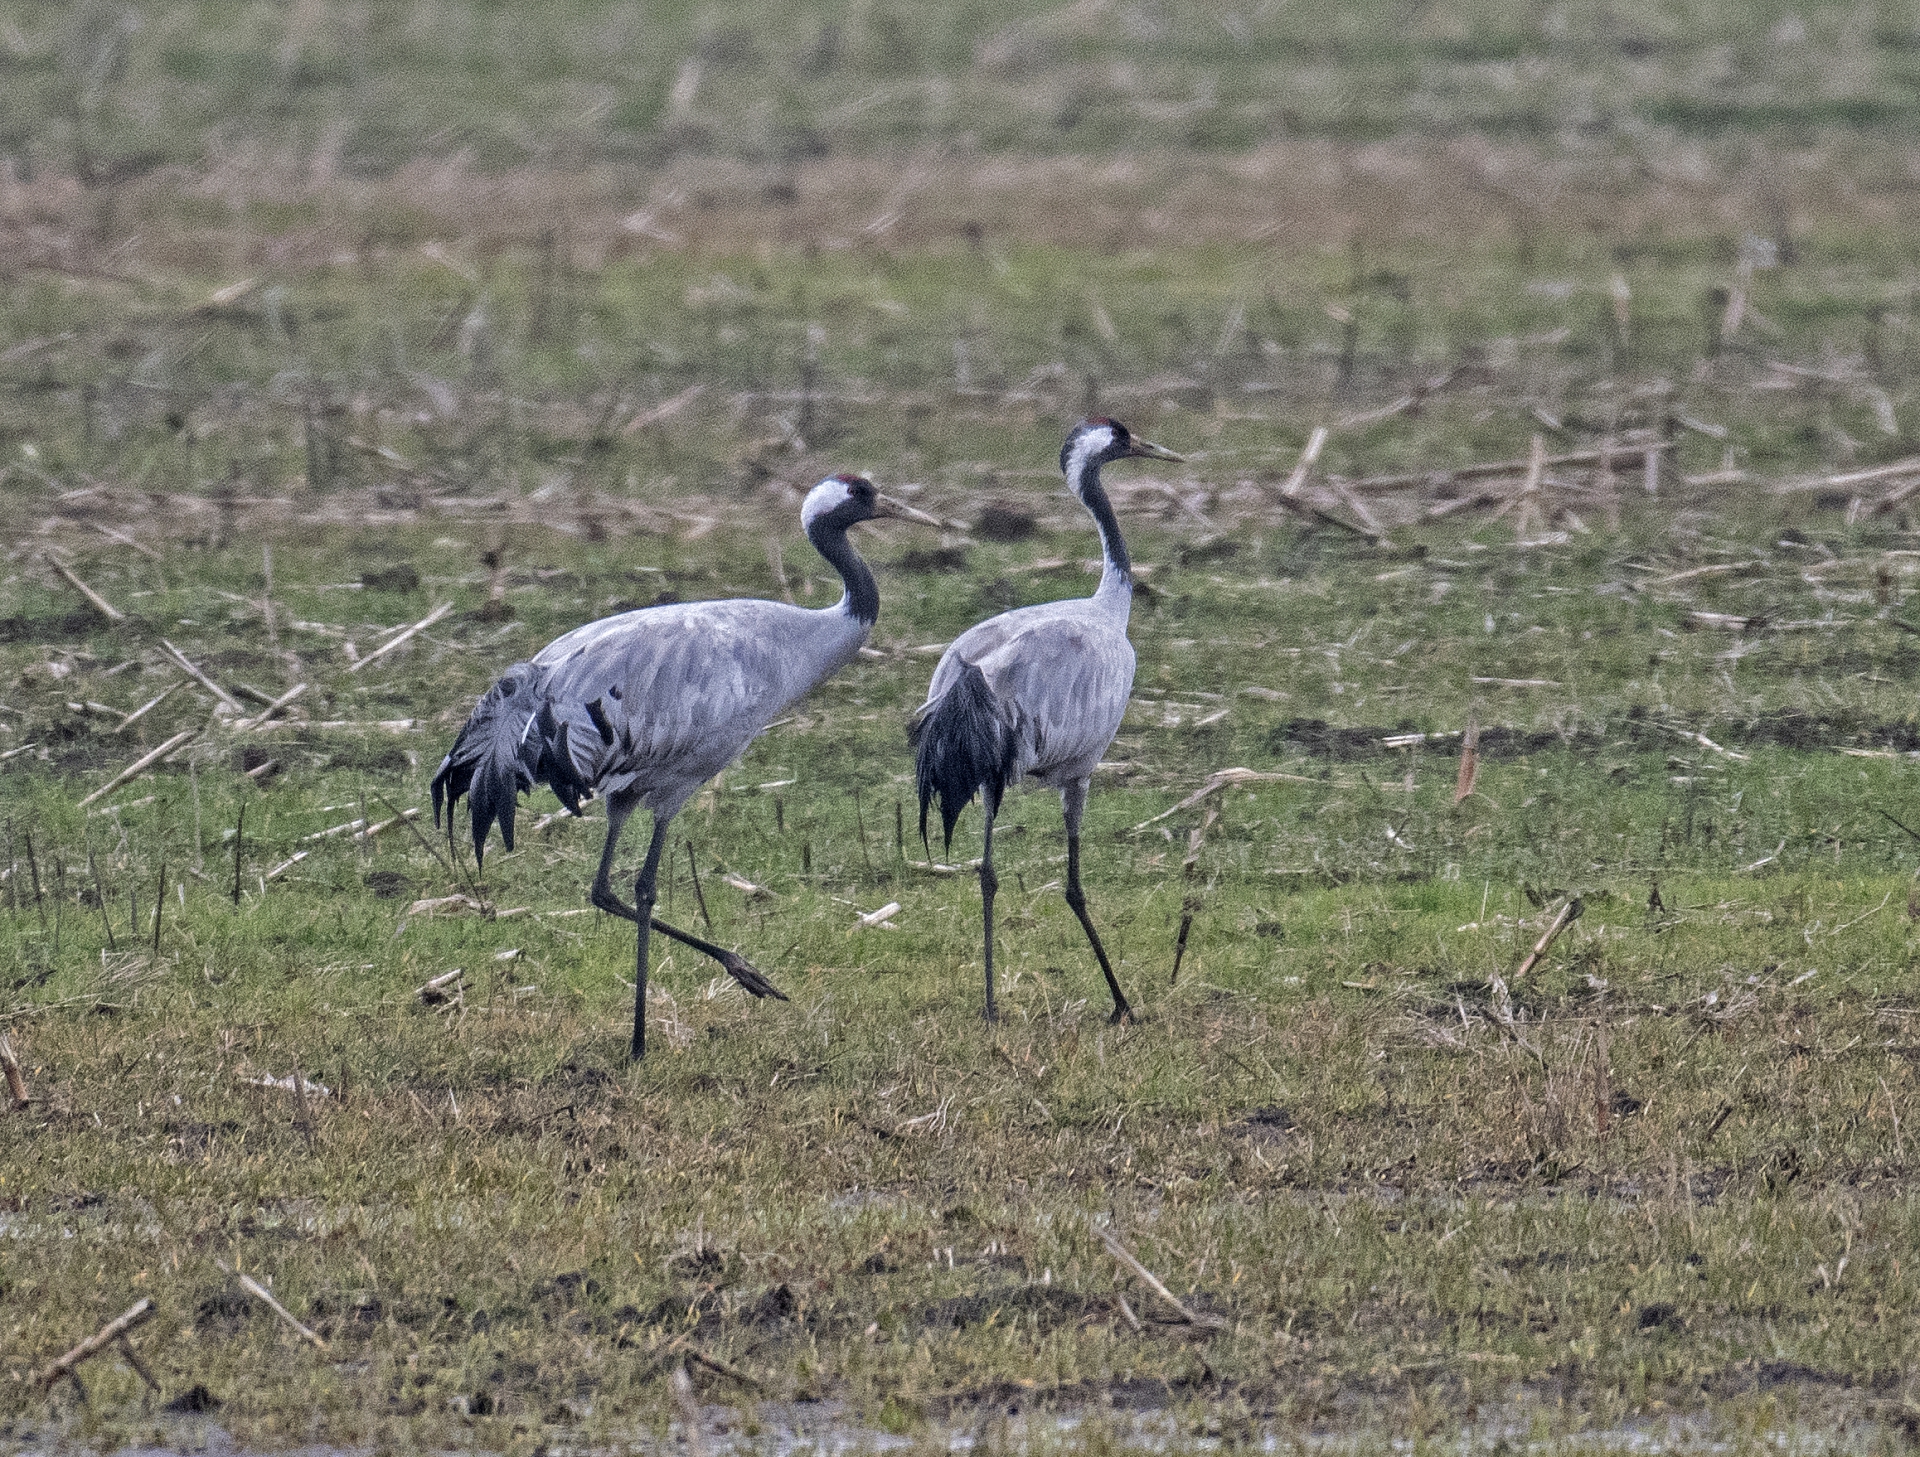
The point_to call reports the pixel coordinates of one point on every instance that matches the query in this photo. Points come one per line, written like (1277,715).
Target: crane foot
(748,975)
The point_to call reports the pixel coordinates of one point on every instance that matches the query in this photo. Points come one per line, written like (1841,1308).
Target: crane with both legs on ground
(1039,691)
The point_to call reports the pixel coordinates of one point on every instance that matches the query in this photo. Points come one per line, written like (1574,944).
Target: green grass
(580,84)
(1402,1206)
(493,290)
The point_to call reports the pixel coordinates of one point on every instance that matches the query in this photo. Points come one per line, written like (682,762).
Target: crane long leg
(1073,802)
(989,883)
(643,896)
(732,962)
(603,896)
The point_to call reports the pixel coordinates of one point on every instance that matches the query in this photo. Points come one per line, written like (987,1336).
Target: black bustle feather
(963,745)
(496,758)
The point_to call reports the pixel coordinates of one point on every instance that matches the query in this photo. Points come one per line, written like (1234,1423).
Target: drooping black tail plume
(963,744)
(513,740)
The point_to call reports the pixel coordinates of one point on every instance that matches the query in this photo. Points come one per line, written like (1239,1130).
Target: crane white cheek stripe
(1090,445)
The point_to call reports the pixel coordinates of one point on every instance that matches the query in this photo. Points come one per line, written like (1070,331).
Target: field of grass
(313,320)
(1393,1184)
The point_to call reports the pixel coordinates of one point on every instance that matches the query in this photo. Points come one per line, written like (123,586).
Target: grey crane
(1038,691)
(644,707)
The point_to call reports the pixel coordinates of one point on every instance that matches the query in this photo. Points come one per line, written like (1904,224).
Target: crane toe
(744,972)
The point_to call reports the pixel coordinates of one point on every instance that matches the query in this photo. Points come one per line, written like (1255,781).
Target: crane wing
(1063,676)
(671,695)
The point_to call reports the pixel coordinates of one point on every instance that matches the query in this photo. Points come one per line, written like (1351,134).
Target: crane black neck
(829,538)
(1094,497)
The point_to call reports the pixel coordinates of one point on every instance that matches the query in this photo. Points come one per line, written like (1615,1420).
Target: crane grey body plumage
(683,689)
(644,707)
(1038,692)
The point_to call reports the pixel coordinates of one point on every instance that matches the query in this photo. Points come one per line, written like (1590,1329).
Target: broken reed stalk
(1309,457)
(777,561)
(227,700)
(1569,913)
(1219,780)
(1196,842)
(1325,518)
(361,832)
(260,719)
(1529,522)
(125,540)
(421,626)
(132,1358)
(494,559)
(435,993)
(159,909)
(1608,487)
(699,895)
(860,823)
(260,1292)
(1602,1080)
(663,411)
(1180,943)
(33,865)
(266,597)
(372,832)
(401,817)
(1140,1272)
(1469,760)
(105,608)
(724,1368)
(1370,524)
(1895,497)
(1490,468)
(284,866)
(108,1334)
(139,766)
(239,834)
(16,1080)
(100,894)
(689,1406)
(148,707)
(302,1113)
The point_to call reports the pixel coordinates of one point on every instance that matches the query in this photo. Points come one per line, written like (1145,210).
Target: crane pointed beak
(887,506)
(1151,451)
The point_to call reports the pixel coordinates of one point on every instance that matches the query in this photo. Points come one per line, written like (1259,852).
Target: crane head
(1097,441)
(846,499)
